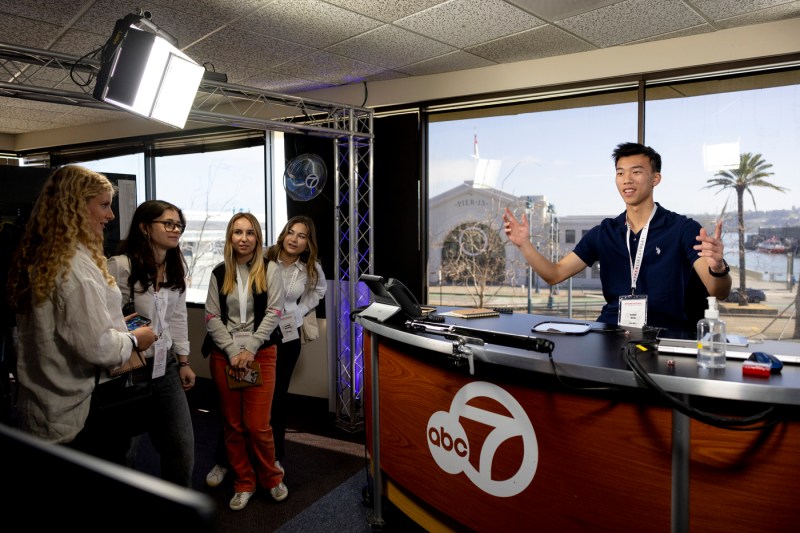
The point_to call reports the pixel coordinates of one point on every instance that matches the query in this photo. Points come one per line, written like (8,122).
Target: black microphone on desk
(534,344)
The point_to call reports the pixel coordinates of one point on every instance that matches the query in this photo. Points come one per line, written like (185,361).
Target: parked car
(754,296)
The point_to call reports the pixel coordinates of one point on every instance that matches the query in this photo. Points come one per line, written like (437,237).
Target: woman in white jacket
(304,286)
(69,314)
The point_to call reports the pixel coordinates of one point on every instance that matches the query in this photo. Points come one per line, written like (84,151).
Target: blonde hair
(258,269)
(58,223)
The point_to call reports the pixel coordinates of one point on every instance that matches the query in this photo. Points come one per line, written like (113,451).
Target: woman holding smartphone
(71,327)
(151,273)
(243,306)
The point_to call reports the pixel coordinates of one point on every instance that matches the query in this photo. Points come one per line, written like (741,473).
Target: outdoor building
(468,247)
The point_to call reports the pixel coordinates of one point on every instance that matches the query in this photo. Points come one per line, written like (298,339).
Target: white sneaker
(240,499)
(216,475)
(279,492)
(279,467)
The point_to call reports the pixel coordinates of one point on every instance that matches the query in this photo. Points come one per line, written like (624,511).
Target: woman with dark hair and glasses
(151,274)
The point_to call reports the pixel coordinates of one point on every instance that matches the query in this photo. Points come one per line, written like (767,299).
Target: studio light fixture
(144,73)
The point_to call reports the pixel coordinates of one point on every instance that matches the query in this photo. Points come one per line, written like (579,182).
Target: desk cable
(560,379)
(761,420)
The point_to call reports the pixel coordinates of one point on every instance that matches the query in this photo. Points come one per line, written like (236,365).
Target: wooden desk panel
(589,451)
(745,481)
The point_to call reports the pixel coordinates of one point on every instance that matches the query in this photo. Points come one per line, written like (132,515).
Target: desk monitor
(383,306)
(91,494)
(389,298)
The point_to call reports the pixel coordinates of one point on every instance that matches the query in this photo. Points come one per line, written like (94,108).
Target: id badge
(633,311)
(289,328)
(241,338)
(159,358)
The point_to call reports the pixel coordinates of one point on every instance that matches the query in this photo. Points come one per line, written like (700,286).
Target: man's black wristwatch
(720,274)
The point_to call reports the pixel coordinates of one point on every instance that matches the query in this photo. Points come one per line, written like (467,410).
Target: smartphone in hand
(136,321)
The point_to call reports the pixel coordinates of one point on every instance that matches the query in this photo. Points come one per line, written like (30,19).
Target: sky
(565,155)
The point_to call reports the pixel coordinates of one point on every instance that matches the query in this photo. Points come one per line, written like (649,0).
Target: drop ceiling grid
(298,45)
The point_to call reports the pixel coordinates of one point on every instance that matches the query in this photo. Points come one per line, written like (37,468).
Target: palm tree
(752,172)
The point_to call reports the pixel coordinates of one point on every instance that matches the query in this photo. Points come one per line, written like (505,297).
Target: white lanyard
(292,282)
(161,311)
(243,289)
(637,265)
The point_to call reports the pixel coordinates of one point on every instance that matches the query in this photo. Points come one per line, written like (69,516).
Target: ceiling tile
(231,51)
(545,41)
(386,75)
(781,12)
(26,32)
(551,10)
(631,20)
(276,82)
(79,43)
(694,30)
(103,14)
(462,23)
(389,46)
(386,10)
(308,22)
(222,12)
(57,12)
(722,9)
(327,67)
(453,61)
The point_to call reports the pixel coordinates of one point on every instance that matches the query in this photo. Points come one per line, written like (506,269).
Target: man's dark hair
(628,149)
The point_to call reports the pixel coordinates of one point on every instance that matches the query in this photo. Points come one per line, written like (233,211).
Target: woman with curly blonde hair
(243,307)
(68,306)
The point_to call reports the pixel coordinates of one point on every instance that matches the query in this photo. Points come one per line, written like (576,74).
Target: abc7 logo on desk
(451,449)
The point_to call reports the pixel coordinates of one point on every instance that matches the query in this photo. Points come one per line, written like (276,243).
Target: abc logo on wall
(498,423)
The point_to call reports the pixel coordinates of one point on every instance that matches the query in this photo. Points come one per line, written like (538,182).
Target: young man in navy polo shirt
(647,253)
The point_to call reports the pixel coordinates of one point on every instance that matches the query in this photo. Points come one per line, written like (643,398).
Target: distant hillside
(753,220)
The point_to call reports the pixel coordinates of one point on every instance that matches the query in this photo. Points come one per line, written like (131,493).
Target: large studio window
(210,188)
(742,126)
(547,160)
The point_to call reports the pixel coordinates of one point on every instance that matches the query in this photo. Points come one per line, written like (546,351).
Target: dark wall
(398,236)
(21,186)
(321,208)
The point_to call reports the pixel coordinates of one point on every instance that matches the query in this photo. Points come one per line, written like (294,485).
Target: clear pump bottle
(711,338)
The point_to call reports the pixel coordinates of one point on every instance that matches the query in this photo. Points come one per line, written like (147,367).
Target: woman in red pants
(243,306)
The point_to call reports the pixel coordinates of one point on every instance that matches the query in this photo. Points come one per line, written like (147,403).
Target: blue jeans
(171,430)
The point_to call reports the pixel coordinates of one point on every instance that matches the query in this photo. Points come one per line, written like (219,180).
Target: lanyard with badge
(160,346)
(287,323)
(242,338)
(633,307)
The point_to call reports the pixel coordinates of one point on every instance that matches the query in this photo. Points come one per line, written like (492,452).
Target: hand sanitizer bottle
(711,338)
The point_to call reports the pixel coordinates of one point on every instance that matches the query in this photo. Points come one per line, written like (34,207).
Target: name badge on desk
(632,311)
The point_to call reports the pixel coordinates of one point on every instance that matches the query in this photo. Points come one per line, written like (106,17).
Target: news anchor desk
(515,446)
